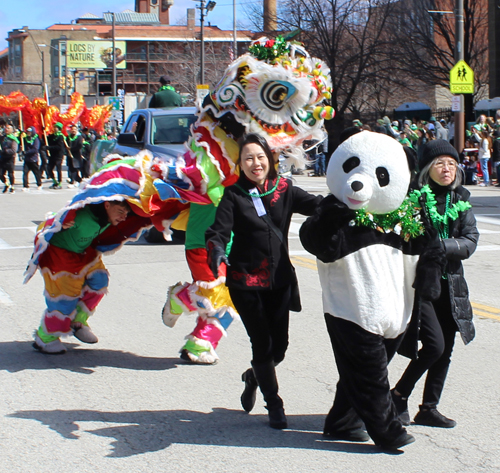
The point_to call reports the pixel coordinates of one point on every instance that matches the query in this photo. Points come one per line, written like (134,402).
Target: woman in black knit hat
(447,205)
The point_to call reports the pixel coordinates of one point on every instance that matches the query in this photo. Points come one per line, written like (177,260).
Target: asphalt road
(129,404)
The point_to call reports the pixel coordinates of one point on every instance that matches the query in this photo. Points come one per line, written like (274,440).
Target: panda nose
(356,186)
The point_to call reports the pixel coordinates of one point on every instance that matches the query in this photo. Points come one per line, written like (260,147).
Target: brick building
(153,48)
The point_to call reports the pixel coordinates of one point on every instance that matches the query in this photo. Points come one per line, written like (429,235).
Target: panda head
(371,171)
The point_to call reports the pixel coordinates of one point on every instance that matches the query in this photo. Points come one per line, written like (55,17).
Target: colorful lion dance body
(277,91)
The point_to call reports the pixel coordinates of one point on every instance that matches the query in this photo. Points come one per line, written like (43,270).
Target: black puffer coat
(460,246)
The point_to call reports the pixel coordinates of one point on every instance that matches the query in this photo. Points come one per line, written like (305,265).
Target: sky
(39,14)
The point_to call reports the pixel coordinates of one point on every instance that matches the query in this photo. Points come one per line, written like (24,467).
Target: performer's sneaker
(85,334)
(5,189)
(12,190)
(205,358)
(52,348)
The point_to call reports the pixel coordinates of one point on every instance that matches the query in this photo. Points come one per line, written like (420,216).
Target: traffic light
(62,82)
(69,81)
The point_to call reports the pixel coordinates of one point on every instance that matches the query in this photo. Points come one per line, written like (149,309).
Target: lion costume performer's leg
(206,296)
(74,286)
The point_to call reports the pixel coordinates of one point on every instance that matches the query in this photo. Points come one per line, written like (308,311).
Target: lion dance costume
(277,91)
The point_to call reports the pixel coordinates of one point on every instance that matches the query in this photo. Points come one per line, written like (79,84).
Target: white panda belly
(371,287)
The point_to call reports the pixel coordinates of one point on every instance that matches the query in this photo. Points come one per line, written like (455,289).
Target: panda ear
(348,132)
(411,157)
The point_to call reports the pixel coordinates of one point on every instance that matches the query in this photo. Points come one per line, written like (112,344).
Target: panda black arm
(322,234)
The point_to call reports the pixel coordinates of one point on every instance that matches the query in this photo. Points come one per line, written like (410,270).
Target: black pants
(363,391)
(265,316)
(85,170)
(7,166)
(55,163)
(43,163)
(437,334)
(33,167)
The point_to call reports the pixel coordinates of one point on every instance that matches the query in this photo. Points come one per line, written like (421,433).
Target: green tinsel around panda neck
(271,49)
(404,221)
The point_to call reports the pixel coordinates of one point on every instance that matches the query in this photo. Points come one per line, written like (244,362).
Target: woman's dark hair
(258,140)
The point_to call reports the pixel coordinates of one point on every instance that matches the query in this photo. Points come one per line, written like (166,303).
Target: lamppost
(459,139)
(61,75)
(204,9)
(114,58)
(42,57)
(235,44)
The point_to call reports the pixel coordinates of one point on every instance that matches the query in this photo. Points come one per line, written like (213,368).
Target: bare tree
(424,41)
(351,37)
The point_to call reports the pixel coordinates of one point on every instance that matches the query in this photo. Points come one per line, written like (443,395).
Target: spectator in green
(166,95)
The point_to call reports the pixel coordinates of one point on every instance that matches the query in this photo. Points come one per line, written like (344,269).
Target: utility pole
(459,56)
(202,51)
(43,71)
(235,44)
(203,12)
(113,88)
(65,73)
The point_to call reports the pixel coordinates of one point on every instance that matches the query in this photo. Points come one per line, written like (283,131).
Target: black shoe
(433,418)
(250,392)
(354,435)
(277,418)
(6,188)
(404,439)
(401,407)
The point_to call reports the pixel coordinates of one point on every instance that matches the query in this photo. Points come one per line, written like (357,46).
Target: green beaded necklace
(259,195)
(441,222)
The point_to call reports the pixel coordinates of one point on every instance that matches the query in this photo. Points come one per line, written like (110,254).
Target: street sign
(1,80)
(64,107)
(115,101)
(461,79)
(202,90)
(455,103)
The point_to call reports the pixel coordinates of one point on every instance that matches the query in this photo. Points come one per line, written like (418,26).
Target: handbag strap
(273,227)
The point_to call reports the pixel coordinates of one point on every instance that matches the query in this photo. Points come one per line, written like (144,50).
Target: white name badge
(257,202)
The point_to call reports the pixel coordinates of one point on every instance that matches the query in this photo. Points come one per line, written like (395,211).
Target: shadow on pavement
(18,356)
(151,431)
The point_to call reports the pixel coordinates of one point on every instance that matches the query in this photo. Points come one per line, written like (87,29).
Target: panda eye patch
(382,176)
(350,164)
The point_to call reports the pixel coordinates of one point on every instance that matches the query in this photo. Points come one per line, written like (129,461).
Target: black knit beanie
(435,148)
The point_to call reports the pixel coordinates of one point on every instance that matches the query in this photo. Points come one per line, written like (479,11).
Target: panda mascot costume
(374,247)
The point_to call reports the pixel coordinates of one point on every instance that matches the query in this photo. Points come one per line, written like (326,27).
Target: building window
(56,71)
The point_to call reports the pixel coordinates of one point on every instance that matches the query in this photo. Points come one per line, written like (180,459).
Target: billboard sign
(95,54)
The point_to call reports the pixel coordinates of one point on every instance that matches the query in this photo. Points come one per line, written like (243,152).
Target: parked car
(161,131)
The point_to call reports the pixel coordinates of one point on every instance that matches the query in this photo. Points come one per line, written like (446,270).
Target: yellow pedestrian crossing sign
(461,78)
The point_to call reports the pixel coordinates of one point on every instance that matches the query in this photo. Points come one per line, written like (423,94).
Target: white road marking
(489,220)
(31,229)
(5,298)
